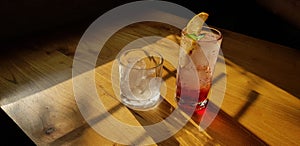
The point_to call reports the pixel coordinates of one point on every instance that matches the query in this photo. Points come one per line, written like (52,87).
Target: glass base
(202,105)
(188,106)
(141,105)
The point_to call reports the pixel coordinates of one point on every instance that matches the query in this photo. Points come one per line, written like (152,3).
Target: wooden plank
(52,115)
(262,87)
(83,135)
(26,72)
(274,63)
(47,115)
(260,105)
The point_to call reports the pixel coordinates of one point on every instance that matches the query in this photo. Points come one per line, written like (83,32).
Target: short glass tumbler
(140,78)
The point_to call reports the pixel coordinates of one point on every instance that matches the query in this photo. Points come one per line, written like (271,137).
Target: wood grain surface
(261,104)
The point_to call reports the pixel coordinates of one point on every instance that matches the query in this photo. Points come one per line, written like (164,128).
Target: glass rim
(212,29)
(161,59)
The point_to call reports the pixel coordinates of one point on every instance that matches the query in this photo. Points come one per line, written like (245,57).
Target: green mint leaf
(195,37)
(192,36)
(200,36)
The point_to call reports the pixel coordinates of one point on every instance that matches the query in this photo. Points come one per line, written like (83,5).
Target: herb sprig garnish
(195,37)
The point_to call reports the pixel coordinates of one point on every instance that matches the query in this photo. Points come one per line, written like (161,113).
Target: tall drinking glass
(197,59)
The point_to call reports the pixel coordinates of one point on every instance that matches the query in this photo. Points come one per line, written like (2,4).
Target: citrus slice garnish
(194,26)
(193,30)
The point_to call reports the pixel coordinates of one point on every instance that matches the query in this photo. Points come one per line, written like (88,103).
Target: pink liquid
(189,98)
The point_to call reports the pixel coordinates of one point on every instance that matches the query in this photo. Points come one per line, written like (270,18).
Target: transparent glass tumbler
(197,60)
(140,78)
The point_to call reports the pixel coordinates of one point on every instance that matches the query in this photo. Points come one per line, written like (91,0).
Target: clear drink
(140,78)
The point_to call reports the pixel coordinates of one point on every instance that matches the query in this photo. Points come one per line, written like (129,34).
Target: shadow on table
(223,123)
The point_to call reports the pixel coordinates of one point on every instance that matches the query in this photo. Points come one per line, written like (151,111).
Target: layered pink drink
(197,59)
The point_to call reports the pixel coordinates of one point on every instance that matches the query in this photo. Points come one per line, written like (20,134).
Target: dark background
(277,21)
(253,18)
(21,20)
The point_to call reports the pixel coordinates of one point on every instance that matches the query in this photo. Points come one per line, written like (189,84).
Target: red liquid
(189,98)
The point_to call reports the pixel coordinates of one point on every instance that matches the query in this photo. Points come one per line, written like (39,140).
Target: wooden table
(261,104)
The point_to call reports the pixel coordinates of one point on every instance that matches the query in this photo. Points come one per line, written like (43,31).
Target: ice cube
(154,84)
